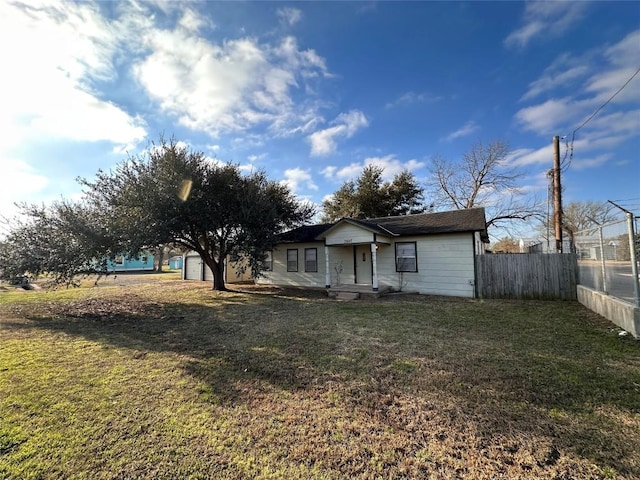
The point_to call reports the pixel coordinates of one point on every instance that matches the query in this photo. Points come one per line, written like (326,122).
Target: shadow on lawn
(291,344)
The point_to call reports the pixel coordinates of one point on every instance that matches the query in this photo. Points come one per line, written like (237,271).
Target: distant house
(431,253)
(175,263)
(123,263)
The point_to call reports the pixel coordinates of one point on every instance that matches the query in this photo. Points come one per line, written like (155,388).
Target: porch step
(346,296)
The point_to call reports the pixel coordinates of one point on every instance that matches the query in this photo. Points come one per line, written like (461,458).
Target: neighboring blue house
(123,263)
(175,263)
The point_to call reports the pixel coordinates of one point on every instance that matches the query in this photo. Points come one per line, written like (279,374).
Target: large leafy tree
(63,240)
(483,178)
(369,196)
(172,194)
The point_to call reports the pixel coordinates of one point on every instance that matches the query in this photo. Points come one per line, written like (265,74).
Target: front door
(363,264)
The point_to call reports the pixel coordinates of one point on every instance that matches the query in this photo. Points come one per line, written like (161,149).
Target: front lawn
(172,380)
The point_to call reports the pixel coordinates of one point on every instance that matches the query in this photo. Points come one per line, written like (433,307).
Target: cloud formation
(289,15)
(323,142)
(389,163)
(544,19)
(412,98)
(49,82)
(466,130)
(297,179)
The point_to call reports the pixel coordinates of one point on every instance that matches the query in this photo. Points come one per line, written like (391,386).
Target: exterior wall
(232,272)
(143,262)
(175,263)
(479,245)
(279,275)
(348,234)
(196,270)
(446,266)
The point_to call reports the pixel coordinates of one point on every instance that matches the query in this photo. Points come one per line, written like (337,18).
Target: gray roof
(454,221)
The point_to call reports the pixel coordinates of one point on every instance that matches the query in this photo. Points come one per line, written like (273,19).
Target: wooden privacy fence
(530,276)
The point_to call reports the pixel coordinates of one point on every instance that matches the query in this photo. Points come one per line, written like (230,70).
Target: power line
(573,134)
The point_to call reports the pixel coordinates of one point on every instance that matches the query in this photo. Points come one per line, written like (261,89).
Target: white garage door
(193,268)
(208,274)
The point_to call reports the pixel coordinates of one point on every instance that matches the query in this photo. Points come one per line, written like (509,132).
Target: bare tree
(483,178)
(578,216)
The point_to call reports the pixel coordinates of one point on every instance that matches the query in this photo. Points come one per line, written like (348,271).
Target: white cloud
(290,16)
(297,178)
(20,182)
(412,98)
(232,86)
(626,51)
(562,73)
(391,165)
(213,148)
(591,162)
(323,142)
(544,19)
(47,87)
(594,77)
(528,156)
(467,129)
(193,22)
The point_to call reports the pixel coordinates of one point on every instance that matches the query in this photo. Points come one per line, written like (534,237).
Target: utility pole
(557,194)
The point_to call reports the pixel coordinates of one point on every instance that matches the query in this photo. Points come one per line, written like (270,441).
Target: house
(431,253)
(175,263)
(123,263)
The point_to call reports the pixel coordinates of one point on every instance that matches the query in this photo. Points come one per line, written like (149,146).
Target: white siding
(446,266)
(279,274)
(346,234)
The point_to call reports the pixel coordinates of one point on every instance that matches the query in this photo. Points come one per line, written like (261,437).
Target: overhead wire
(573,134)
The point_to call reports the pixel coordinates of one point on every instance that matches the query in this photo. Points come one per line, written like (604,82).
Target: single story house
(123,263)
(432,253)
(175,263)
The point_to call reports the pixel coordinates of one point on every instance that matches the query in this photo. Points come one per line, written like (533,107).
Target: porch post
(327,275)
(374,263)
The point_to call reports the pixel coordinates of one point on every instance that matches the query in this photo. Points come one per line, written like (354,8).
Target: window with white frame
(267,264)
(292,260)
(310,259)
(406,260)
(119,260)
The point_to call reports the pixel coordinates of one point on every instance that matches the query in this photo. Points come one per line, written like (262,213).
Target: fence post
(634,259)
(604,270)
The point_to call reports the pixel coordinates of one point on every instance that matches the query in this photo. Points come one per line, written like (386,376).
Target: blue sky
(312,92)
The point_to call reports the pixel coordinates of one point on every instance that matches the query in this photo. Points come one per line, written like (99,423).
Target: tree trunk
(218,275)
(160,258)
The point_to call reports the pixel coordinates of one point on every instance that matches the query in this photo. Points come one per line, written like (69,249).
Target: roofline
(357,223)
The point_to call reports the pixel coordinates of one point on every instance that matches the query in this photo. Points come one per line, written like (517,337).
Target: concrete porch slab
(357,291)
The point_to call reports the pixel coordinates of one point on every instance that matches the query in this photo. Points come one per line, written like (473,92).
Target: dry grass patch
(172,380)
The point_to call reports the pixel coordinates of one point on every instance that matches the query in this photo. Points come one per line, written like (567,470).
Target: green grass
(167,379)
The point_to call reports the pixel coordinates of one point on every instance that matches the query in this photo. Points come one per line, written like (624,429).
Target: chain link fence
(604,259)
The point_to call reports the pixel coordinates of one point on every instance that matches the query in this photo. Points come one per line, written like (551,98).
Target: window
(119,260)
(406,257)
(267,264)
(292,260)
(310,259)
(143,259)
